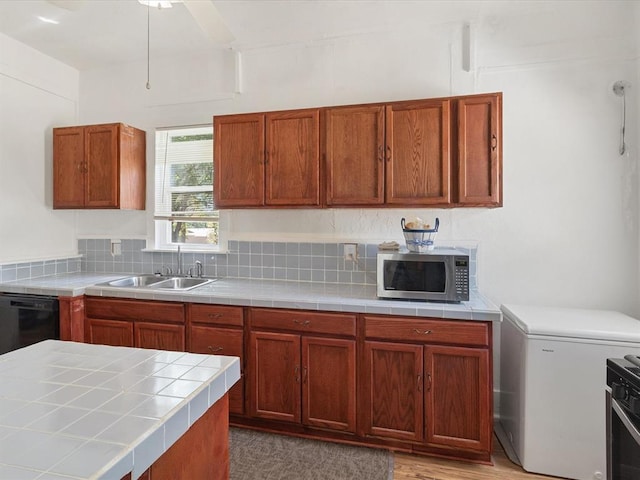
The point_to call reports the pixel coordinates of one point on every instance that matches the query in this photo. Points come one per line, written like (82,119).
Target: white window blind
(184,183)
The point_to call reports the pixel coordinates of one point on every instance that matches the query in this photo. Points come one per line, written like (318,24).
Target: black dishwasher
(27,319)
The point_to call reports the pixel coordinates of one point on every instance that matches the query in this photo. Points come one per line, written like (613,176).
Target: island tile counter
(79,411)
(352,298)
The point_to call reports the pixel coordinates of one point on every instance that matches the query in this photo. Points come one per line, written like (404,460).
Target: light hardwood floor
(414,467)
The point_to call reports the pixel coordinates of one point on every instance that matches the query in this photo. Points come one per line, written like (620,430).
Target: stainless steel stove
(623,418)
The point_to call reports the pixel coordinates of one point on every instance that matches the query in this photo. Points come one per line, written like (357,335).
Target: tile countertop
(264,293)
(78,411)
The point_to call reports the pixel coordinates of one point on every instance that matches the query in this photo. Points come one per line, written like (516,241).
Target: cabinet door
(102,170)
(418,153)
(68,167)
(458,397)
(238,160)
(274,376)
(160,336)
(109,332)
(329,383)
(480,150)
(222,341)
(393,390)
(354,148)
(293,158)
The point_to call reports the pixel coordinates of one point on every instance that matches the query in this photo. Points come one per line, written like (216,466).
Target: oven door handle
(624,418)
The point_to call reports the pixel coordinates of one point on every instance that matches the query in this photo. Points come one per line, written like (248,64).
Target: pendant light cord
(148,43)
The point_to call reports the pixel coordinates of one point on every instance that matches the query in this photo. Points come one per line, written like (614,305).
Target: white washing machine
(552,386)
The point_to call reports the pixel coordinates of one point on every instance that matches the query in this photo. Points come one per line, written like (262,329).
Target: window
(184,211)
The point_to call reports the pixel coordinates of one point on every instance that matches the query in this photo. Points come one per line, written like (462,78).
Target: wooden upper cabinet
(238,160)
(293,158)
(418,153)
(442,152)
(268,159)
(355,152)
(69,183)
(479,129)
(99,166)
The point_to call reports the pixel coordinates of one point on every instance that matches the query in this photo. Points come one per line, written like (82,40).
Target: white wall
(568,231)
(36,94)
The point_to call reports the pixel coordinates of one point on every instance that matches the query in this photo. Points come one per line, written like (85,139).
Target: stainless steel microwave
(435,276)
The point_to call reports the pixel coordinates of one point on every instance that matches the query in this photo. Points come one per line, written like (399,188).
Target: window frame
(162,214)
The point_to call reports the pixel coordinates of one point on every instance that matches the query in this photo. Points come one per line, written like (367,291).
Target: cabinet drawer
(455,332)
(134,310)
(304,321)
(216,314)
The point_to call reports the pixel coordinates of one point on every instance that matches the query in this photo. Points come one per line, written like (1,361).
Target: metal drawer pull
(304,323)
(422,332)
(419,382)
(214,315)
(428,382)
(215,349)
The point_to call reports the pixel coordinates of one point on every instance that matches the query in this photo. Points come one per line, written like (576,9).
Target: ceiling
(98,33)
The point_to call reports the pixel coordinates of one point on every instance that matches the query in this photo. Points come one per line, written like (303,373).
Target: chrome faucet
(198,269)
(179,272)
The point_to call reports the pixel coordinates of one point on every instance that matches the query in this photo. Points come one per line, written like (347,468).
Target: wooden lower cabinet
(393,404)
(160,336)
(302,378)
(413,384)
(329,383)
(109,332)
(439,395)
(135,323)
(428,382)
(218,330)
(274,376)
(458,397)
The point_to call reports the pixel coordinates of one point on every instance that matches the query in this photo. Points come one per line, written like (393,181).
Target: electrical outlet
(351,251)
(116,248)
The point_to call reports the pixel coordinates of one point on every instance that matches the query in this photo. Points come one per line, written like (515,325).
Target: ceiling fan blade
(209,19)
(72,5)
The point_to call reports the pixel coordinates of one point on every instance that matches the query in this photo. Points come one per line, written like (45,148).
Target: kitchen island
(80,411)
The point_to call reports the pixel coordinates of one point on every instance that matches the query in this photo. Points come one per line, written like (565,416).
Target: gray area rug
(266,456)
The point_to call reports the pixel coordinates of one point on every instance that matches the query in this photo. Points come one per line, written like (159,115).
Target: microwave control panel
(462,277)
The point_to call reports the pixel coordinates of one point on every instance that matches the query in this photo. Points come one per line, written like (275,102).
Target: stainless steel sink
(158,282)
(182,283)
(135,281)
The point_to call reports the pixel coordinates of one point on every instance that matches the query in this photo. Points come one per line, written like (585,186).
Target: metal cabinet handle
(304,323)
(419,382)
(388,153)
(215,349)
(422,332)
(428,382)
(381,153)
(304,375)
(295,373)
(494,142)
